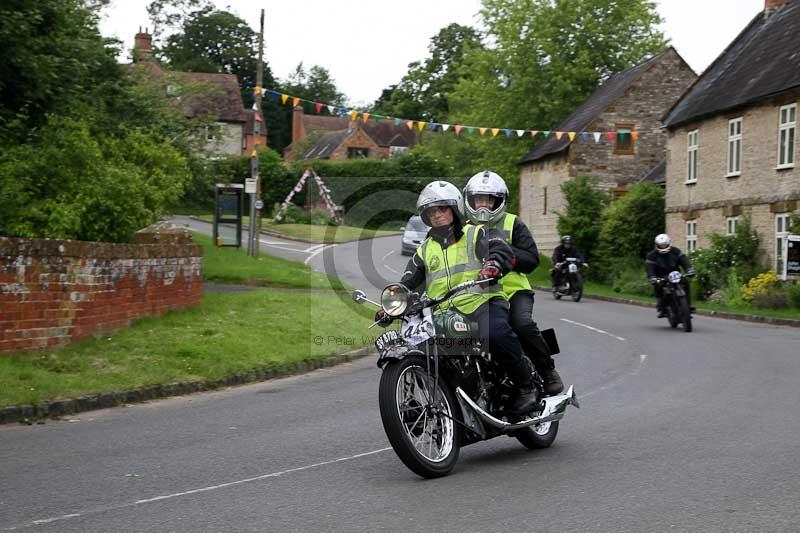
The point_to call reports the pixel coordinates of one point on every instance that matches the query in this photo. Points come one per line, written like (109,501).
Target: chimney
(298,131)
(142,46)
(771,5)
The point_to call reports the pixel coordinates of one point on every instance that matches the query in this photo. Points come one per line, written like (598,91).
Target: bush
(629,225)
(765,291)
(585,205)
(628,275)
(793,295)
(737,253)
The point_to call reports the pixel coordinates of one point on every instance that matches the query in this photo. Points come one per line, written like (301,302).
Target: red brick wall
(55,291)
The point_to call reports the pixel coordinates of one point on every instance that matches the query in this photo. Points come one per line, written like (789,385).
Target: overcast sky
(367,44)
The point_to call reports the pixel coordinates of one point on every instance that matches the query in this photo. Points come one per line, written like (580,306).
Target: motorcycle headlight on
(674,277)
(394,299)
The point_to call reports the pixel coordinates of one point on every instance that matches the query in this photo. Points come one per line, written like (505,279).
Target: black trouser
(558,274)
(659,289)
(528,332)
(498,337)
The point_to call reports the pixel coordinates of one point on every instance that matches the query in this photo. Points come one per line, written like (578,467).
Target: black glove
(382,318)
(490,270)
(653,281)
(690,272)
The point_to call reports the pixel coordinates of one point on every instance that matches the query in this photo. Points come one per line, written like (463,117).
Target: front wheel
(423,431)
(577,289)
(686,315)
(538,436)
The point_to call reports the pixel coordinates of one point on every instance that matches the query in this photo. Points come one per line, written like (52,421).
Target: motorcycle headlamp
(674,277)
(394,299)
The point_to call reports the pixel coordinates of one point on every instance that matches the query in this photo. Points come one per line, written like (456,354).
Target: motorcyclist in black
(662,260)
(560,253)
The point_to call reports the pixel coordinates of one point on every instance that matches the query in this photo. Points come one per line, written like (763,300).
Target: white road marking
(297,250)
(387,255)
(197,491)
(613,382)
(593,329)
(318,250)
(312,248)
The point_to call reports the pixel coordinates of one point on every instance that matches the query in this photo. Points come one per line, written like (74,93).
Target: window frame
(730,225)
(789,125)
(781,233)
(691,156)
(691,235)
(629,148)
(353,151)
(734,139)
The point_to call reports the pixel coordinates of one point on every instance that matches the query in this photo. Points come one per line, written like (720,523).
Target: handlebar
(455,290)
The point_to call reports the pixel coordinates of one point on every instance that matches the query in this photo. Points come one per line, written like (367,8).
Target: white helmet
(490,184)
(439,193)
(663,243)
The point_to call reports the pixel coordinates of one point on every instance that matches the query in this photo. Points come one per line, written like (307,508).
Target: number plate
(386,339)
(416,330)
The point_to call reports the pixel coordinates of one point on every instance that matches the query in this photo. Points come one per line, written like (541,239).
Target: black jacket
(659,265)
(560,254)
(526,254)
(491,246)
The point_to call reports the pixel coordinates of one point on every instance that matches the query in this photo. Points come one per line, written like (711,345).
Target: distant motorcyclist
(662,260)
(561,252)
(453,253)
(486,197)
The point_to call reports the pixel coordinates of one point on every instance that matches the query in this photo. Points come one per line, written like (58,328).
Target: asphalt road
(677,432)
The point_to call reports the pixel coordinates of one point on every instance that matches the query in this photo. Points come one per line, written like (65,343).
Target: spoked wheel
(538,436)
(686,315)
(421,430)
(577,290)
(556,294)
(673,316)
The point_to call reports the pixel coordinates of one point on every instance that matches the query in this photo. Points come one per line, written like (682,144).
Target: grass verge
(229,333)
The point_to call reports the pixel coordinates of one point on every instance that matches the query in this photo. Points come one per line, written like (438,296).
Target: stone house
(338,138)
(732,149)
(634,100)
(212,96)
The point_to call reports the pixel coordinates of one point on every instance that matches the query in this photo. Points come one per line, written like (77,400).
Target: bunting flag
(319,107)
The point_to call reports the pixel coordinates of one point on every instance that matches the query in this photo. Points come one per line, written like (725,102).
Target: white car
(415,232)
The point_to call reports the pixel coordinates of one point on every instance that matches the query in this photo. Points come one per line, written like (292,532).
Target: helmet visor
(485,201)
(662,245)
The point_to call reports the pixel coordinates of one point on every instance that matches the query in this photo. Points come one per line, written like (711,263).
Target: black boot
(551,381)
(527,400)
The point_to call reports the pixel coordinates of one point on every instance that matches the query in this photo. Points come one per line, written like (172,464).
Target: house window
(691,235)
(394,151)
(214,132)
(781,232)
(544,200)
(734,147)
(691,147)
(357,153)
(730,225)
(623,143)
(787,127)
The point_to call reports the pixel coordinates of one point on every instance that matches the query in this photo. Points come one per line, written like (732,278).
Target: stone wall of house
(760,191)
(228,139)
(56,291)
(540,188)
(359,139)
(641,109)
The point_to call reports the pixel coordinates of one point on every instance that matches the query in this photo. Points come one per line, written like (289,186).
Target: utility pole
(255,197)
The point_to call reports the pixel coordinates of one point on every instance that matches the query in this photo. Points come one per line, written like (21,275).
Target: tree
(169,16)
(585,205)
(422,94)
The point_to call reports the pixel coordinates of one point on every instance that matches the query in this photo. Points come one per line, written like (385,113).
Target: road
(676,432)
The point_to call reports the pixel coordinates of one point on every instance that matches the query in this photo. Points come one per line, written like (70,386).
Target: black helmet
(566,239)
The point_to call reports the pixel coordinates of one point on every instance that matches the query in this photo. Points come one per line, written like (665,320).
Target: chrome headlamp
(394,299)
(674,277)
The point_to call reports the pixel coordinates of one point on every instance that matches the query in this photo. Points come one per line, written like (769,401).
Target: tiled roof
(384,132)
(656,175)
(221,97)
(764,60)
(326,144)
(613,88)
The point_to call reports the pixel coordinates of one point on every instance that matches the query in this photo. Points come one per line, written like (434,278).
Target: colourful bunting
(445,127)
(295,101)
(365,117)
(273,96)
(559,134)
(634,135)
(495,131)
(534,132)
(331,110)
(377,118)
(471,129)
(420,125)
(520,133)
(458,129)
(410,124)
(611,135)
(482,130)
(284,97)
(596,137)
(584,136)
(546,134)
(353,115)
(571,135)
(398,121)
(318,107)
(433,126)
(508,133)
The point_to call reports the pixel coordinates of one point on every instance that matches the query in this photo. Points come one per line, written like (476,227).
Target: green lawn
(229,333)
(232,265)
(316,232)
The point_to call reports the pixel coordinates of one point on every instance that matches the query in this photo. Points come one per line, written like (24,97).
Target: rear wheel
(421,430)
(538,436)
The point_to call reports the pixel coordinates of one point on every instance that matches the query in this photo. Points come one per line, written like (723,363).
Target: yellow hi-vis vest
(513,281)
(446,268)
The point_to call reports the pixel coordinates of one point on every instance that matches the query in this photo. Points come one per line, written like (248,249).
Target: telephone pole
(255,198)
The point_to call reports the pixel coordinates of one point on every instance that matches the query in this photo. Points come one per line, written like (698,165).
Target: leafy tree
(585,205)
(422,94)
(168,16)
(316,84)
(629,225)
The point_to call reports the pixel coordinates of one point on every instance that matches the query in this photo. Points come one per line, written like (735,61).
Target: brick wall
(358,139)
(55,291)
(540,183)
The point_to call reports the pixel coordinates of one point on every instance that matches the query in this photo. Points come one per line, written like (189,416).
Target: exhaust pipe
(554,408)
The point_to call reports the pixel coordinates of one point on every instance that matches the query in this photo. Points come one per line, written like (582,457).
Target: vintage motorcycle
(440,391)
(571,280)
(675,301)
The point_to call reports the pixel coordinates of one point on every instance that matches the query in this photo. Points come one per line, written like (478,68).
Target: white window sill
(733,175)
(784,167)
(687,182)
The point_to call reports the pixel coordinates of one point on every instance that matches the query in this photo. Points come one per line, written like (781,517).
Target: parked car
(415,232)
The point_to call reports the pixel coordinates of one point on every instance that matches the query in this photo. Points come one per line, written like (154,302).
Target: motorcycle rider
(455,252)
(662,260)
(566,249)
(486,196)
